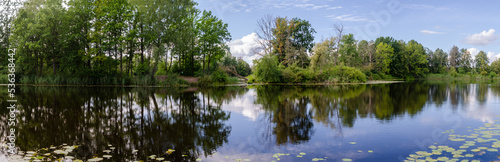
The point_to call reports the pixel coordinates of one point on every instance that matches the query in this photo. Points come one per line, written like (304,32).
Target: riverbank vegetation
(289,55)
(114,42)
(135,42)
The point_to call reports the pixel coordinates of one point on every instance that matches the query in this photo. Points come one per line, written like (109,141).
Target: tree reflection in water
(146,119)
(194,123)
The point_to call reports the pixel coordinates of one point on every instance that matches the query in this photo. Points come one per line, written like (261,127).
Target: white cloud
(245,47)
(348,17)
(483,38)
(491,55)
(333,8)
(310,6)
(431,32)
(473,52)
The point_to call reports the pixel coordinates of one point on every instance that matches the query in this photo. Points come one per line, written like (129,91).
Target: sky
(473,25)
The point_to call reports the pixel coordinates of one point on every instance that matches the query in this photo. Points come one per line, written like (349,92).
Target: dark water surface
(383,122)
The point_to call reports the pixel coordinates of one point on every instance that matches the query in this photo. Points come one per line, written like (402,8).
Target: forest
(131,42)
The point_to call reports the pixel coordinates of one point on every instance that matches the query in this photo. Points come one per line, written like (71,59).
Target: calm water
(384,122)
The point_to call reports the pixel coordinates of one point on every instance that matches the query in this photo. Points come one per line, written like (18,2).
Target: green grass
(459,77)
(106,80)
(233,80)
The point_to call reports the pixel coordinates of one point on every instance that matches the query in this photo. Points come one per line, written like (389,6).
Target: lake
(379,122)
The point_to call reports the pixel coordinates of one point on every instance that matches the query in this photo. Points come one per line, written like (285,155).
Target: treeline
(114,41)
(289,55)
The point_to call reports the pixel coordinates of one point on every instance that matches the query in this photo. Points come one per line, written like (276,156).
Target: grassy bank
(169,80)
(461,77)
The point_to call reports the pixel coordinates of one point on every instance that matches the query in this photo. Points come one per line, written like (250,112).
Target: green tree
(495,66)
(323,53)
(437,61)
(481,61)
(382,58)
(348,53)
(397,65)
(415,59)
(267,69)
(466,61)
(455,56)
(213,35)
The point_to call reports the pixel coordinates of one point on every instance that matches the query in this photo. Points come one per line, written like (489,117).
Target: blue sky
(474,25)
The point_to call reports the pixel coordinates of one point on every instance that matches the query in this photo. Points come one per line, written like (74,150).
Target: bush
(142,69)
(219,76)
(484,73)
(161,69)
(251,79)
(453,72)
(492,74)
(267,69)
(343,74)
(3,79)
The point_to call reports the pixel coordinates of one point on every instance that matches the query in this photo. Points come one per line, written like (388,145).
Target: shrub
(219,76)
(343,74)
(3,79)
(453,72)
(267,69)
(251,79)
(484,73)
(142,69)
(492,74)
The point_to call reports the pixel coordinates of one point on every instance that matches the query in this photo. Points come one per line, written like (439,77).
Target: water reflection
(149,120)
(195,121)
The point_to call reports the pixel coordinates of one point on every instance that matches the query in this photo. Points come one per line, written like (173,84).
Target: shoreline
(222,85)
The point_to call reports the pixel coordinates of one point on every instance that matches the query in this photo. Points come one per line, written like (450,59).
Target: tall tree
(382,58)
(437,61)
(348,53)
(323,53)
(213,35)
(481,61)
(415,59)
(466,61)
(455,57)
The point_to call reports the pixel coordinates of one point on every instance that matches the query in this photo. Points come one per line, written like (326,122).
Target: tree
(323,53)
(302,34)
(481,61)
(437,61)
(382,58)
(265,35)
(347,51)
(267,70)
(415,59)
(213,35)
(397,65)
(455,57)
(466,61)
(495,66)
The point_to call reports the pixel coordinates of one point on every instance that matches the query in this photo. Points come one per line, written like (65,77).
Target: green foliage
(453,72)
(492,74)
(142,69)
(383,56)
(344,74)
(484,73)
(219,76)
(267,70)
(251,79)
(348,53)
(437,60)
(323,54)
(495,66)
(482,62)
(161,69)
